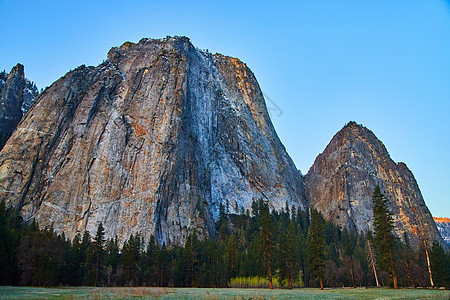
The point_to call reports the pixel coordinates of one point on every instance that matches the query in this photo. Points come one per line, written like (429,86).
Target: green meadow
(7,292)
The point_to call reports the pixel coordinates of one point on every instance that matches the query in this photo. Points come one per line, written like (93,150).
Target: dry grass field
(197,293)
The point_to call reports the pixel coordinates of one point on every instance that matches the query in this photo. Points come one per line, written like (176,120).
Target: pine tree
(291,259)
(267,247)
(189,261)
(438,264)
(95,257)
(316,245)
(348,251)
(85,245)
(232,257)
(150,262)
(384,238)
(131,258)
(9,239)
(164,266)
(112,259)
(75,262)
(40,256)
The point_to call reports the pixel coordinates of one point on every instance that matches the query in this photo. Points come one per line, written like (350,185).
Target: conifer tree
(316,245)
(112,259)
(291,259)
(131,258)
(164,266)
(151,262)
(267,247)
(95,257)
(438,264)
(189,260)
(9,239)
(348,251)
(232,257)
(384,238)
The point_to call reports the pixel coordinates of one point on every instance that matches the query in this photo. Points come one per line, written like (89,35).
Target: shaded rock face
(150,141)
(11,98)
(17,94)
(443,225)
(342,179)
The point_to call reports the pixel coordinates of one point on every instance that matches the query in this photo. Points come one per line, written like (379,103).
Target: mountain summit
(151,141)
(342,179)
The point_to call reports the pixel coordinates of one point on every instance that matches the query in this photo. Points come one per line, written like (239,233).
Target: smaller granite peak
(17,94)
(17,69)
(342,179)
(11,98)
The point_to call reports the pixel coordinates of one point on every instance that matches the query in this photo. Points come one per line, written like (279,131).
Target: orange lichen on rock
(139,129)
(135,219)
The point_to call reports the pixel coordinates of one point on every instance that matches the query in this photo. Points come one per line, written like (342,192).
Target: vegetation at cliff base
(263,249)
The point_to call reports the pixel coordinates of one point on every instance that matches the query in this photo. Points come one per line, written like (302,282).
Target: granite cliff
(150,141)
(342,179)
(154,139)
(16,95)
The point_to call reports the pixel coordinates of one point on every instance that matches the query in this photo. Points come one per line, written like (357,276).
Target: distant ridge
(441,220)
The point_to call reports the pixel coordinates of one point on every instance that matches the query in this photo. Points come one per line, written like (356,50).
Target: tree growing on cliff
(384,238)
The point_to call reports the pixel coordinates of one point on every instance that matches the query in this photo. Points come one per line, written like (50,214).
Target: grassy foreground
(7,292)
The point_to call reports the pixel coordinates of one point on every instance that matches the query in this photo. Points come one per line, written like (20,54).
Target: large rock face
(341,182)
(150,141)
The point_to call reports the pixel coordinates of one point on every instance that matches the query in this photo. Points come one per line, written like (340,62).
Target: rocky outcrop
(17,94)
(11,98)
(150,141)
(443,225)
(342,179)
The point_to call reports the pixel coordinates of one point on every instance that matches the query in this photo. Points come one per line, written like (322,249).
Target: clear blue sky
(385,64)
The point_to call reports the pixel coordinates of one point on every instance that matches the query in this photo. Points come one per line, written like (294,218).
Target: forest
(290,248)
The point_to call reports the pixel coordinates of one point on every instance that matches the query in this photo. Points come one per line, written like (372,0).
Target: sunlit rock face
(342,179)
(151,141)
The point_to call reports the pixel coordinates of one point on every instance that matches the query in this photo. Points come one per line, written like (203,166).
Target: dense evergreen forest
(291,248)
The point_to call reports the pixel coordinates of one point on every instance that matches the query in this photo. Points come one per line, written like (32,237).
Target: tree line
(290,248)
